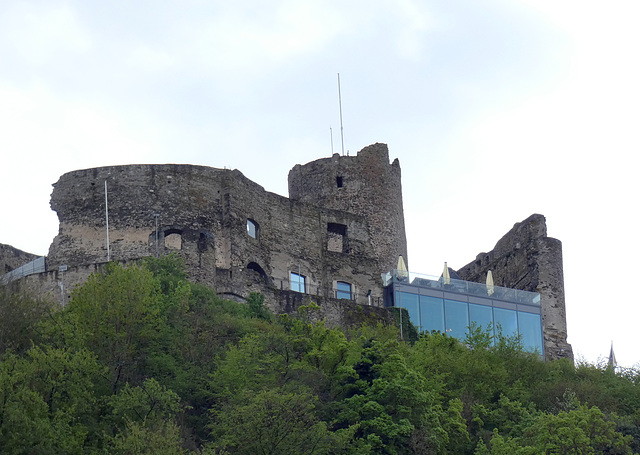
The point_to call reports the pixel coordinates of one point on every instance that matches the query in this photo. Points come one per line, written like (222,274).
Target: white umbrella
(490,286)
(402,268)
(446,278)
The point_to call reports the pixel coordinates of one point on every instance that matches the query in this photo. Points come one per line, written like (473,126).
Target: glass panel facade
(343,290)
(432,312)
(506,321)
(297,282)
(453,317)
(456,316)
(410,303)
(482,315)
(530,329)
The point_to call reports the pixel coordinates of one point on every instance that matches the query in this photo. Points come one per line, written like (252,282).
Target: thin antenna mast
(340,104)
(106,215)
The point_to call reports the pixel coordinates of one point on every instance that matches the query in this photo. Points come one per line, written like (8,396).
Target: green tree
(143,419)
(578,432)
(273,421)
(257,309)
(48,401)
(118,315)
(389,407)
(19,315)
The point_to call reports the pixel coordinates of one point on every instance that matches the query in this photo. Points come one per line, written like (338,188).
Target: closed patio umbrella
(446,278)
(402,268)
(490,286)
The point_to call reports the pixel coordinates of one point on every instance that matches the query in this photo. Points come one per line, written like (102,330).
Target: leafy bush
(143,361)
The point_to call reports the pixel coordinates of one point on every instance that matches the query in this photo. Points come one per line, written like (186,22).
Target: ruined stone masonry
(340,229)
(525,258)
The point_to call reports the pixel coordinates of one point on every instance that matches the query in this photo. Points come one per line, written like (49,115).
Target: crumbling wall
(202,215)
(336,313)
(525,258)
(366,185)
(184,198)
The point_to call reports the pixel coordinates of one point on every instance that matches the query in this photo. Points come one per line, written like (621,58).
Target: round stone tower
(366,185)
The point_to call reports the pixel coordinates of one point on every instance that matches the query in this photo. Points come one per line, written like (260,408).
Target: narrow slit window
(297,282)
(343,290)
(339,181)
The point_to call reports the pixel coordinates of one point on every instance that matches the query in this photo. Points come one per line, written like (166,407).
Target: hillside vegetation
(141,361)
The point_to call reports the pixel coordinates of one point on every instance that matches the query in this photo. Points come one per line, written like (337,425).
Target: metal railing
(461,287)
(36,266)
(321,291)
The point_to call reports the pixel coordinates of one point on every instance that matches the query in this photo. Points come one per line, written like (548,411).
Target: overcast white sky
(496,110)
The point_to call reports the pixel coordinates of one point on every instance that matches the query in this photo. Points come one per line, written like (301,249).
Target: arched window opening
(259,270)
(173,239)
(343,290)
(252,228)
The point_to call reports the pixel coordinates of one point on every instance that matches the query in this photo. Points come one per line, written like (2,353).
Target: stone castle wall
(525,258)
(202,216)
(366,185)
(57,286)
(343,222)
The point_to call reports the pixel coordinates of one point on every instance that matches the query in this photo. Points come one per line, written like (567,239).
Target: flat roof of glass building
(471,289)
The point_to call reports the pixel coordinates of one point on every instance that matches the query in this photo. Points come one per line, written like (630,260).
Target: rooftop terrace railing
(461,287)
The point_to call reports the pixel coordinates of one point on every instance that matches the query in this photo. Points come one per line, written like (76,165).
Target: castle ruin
(341,228)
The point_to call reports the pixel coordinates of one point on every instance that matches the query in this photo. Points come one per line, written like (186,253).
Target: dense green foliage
(143,361)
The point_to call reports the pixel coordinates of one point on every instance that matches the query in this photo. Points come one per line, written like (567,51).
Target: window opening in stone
(339,181)
(343,290)
(336,238)
(173,239)
(259,270)
(297,282)
(252,228)
(202,242)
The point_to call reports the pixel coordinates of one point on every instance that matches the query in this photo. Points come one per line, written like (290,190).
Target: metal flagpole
(156,215)
(106,214)
(340,104)
(331,134)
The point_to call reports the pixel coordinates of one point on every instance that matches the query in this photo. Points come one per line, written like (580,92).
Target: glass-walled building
(451,305)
